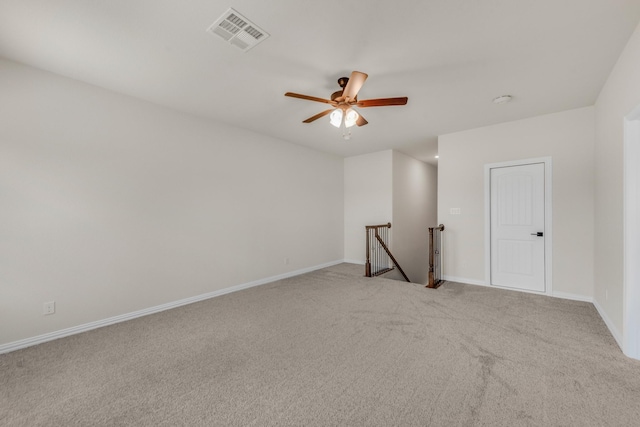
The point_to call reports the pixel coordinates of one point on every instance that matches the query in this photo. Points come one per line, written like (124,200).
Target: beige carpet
(332,348)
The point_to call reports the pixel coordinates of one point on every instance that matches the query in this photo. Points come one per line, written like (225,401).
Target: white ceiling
(450,57)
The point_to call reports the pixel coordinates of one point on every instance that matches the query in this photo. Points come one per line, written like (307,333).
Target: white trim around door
(631,233)
(547,217)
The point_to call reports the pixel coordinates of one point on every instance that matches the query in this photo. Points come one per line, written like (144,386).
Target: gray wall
(415,209)
(568,138)
(112,205)
(619,96)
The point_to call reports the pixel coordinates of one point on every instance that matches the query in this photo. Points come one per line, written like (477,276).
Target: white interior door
(518,227)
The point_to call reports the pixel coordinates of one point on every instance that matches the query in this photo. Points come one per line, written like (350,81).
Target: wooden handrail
(386,249)
(387,225)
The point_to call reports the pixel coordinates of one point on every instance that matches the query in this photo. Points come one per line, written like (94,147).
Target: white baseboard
(573,297)
(484,283)
(614,331)
(617,335)
(464,280)
(28,342)
(562,295)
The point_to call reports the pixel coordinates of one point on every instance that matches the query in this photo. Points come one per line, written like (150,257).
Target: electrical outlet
(455,211)
(286,261)
(49,308)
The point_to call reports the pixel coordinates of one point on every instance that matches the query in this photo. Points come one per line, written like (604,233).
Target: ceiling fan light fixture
(350,117)
(336,117)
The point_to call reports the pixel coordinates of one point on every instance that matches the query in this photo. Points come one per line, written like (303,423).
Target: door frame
(631,236)
(548,276)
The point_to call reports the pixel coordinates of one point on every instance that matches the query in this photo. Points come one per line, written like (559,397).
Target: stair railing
(435,256)
(379,257)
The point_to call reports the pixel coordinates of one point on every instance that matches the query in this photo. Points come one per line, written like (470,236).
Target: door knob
(539,234)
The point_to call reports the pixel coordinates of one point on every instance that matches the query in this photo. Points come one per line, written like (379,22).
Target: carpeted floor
(332,348)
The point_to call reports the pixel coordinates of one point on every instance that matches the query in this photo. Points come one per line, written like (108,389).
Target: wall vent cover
(238,30)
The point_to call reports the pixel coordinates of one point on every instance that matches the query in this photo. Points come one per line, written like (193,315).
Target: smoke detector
(503,99)
(238,30)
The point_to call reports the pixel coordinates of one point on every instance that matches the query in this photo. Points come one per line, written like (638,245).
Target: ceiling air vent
(238,30)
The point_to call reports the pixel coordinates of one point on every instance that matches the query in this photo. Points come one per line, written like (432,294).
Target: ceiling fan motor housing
(342,81)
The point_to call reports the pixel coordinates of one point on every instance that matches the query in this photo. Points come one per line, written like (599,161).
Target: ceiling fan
(342,114)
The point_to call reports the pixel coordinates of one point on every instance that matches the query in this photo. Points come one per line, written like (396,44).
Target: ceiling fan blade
(309,98)
(382,102)
(361,120)
(354,84)
(317,116)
